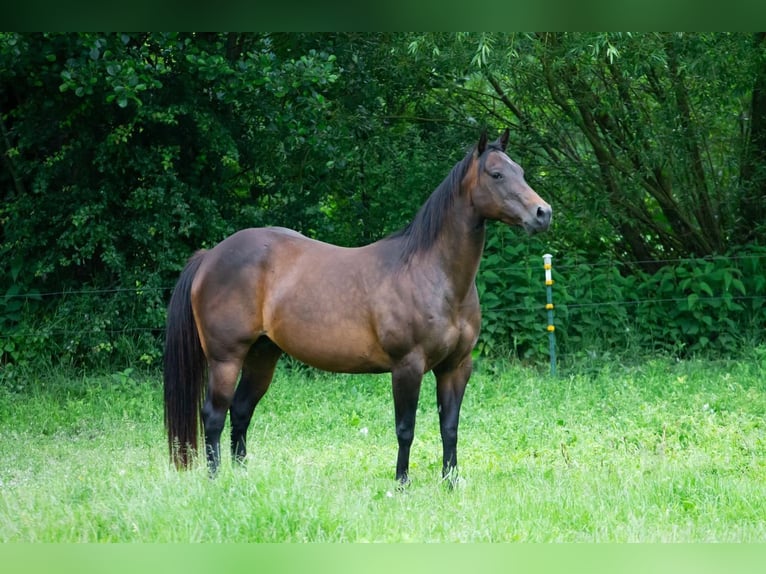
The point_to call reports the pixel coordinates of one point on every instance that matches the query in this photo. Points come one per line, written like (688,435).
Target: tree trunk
(752,208)
(700,206)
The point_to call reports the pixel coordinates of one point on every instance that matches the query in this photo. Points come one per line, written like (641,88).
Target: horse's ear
(482,142)
(503,141)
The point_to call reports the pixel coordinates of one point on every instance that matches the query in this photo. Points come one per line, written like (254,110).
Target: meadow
(654,451)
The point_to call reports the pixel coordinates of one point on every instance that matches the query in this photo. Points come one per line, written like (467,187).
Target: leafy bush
(688,307)
(697,305)
(590,306)
(512,295)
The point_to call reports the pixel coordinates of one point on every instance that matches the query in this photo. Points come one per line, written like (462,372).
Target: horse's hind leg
(222,381)
(257,373)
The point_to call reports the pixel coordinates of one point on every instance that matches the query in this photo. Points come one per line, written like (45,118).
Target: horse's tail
(184,369)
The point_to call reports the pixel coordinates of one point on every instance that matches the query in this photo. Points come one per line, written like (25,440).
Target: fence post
(549,306)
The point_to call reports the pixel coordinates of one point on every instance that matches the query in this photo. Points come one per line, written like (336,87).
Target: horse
(406,304)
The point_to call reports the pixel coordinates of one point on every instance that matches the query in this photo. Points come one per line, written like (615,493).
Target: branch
(524,120)
(17,182)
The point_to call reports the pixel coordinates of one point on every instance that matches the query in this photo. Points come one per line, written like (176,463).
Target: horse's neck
(459,248)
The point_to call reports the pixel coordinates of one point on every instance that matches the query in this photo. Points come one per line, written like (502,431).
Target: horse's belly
(332,342)
(340,354)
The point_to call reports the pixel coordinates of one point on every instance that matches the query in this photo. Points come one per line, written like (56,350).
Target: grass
(660,451)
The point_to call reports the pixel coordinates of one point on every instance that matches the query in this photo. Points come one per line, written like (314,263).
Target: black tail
(184,370)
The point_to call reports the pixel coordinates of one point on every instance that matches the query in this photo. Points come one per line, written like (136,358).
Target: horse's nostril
(544,214)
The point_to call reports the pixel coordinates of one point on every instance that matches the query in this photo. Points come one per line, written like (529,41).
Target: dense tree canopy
(123,153)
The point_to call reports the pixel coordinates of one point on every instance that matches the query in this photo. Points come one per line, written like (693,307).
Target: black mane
(423,231)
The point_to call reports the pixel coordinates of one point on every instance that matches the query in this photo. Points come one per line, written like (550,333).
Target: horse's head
(498,189)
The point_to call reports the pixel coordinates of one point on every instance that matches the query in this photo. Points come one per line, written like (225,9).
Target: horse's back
(303,294)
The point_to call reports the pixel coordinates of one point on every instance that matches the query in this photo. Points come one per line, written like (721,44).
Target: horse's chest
(432,331)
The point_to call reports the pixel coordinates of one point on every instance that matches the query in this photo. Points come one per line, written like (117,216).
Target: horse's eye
(497,175)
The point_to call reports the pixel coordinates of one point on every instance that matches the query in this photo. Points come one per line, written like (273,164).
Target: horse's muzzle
(541,220)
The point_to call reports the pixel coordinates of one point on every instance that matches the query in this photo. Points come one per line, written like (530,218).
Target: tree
(126,152)
(637,134)
(750,219)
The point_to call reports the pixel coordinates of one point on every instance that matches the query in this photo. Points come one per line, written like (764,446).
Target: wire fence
(37,295)
(624,302)
(561,271)
(645,301)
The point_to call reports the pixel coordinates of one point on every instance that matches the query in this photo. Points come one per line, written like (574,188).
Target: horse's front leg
(406,379)
(450,388)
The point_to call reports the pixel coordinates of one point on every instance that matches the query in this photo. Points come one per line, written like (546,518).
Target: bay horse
(406,304)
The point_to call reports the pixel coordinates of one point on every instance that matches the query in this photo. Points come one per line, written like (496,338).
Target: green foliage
(645,136)
(124,153)
(512,295)
(16,304)
(592,306)
(703,305)
(148,153)
(688,307)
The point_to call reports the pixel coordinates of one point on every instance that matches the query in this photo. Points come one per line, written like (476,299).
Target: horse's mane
(423,231)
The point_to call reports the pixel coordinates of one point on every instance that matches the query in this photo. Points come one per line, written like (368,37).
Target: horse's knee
(213,420)
(449,434)
(405,433)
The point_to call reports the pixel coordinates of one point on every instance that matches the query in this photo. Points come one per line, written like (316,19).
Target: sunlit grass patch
(662,451)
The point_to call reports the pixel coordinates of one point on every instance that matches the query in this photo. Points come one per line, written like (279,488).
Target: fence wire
(559,269)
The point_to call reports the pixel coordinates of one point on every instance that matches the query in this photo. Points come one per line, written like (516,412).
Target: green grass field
(660,451)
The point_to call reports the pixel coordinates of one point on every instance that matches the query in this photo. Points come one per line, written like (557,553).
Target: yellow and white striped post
(549,306)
